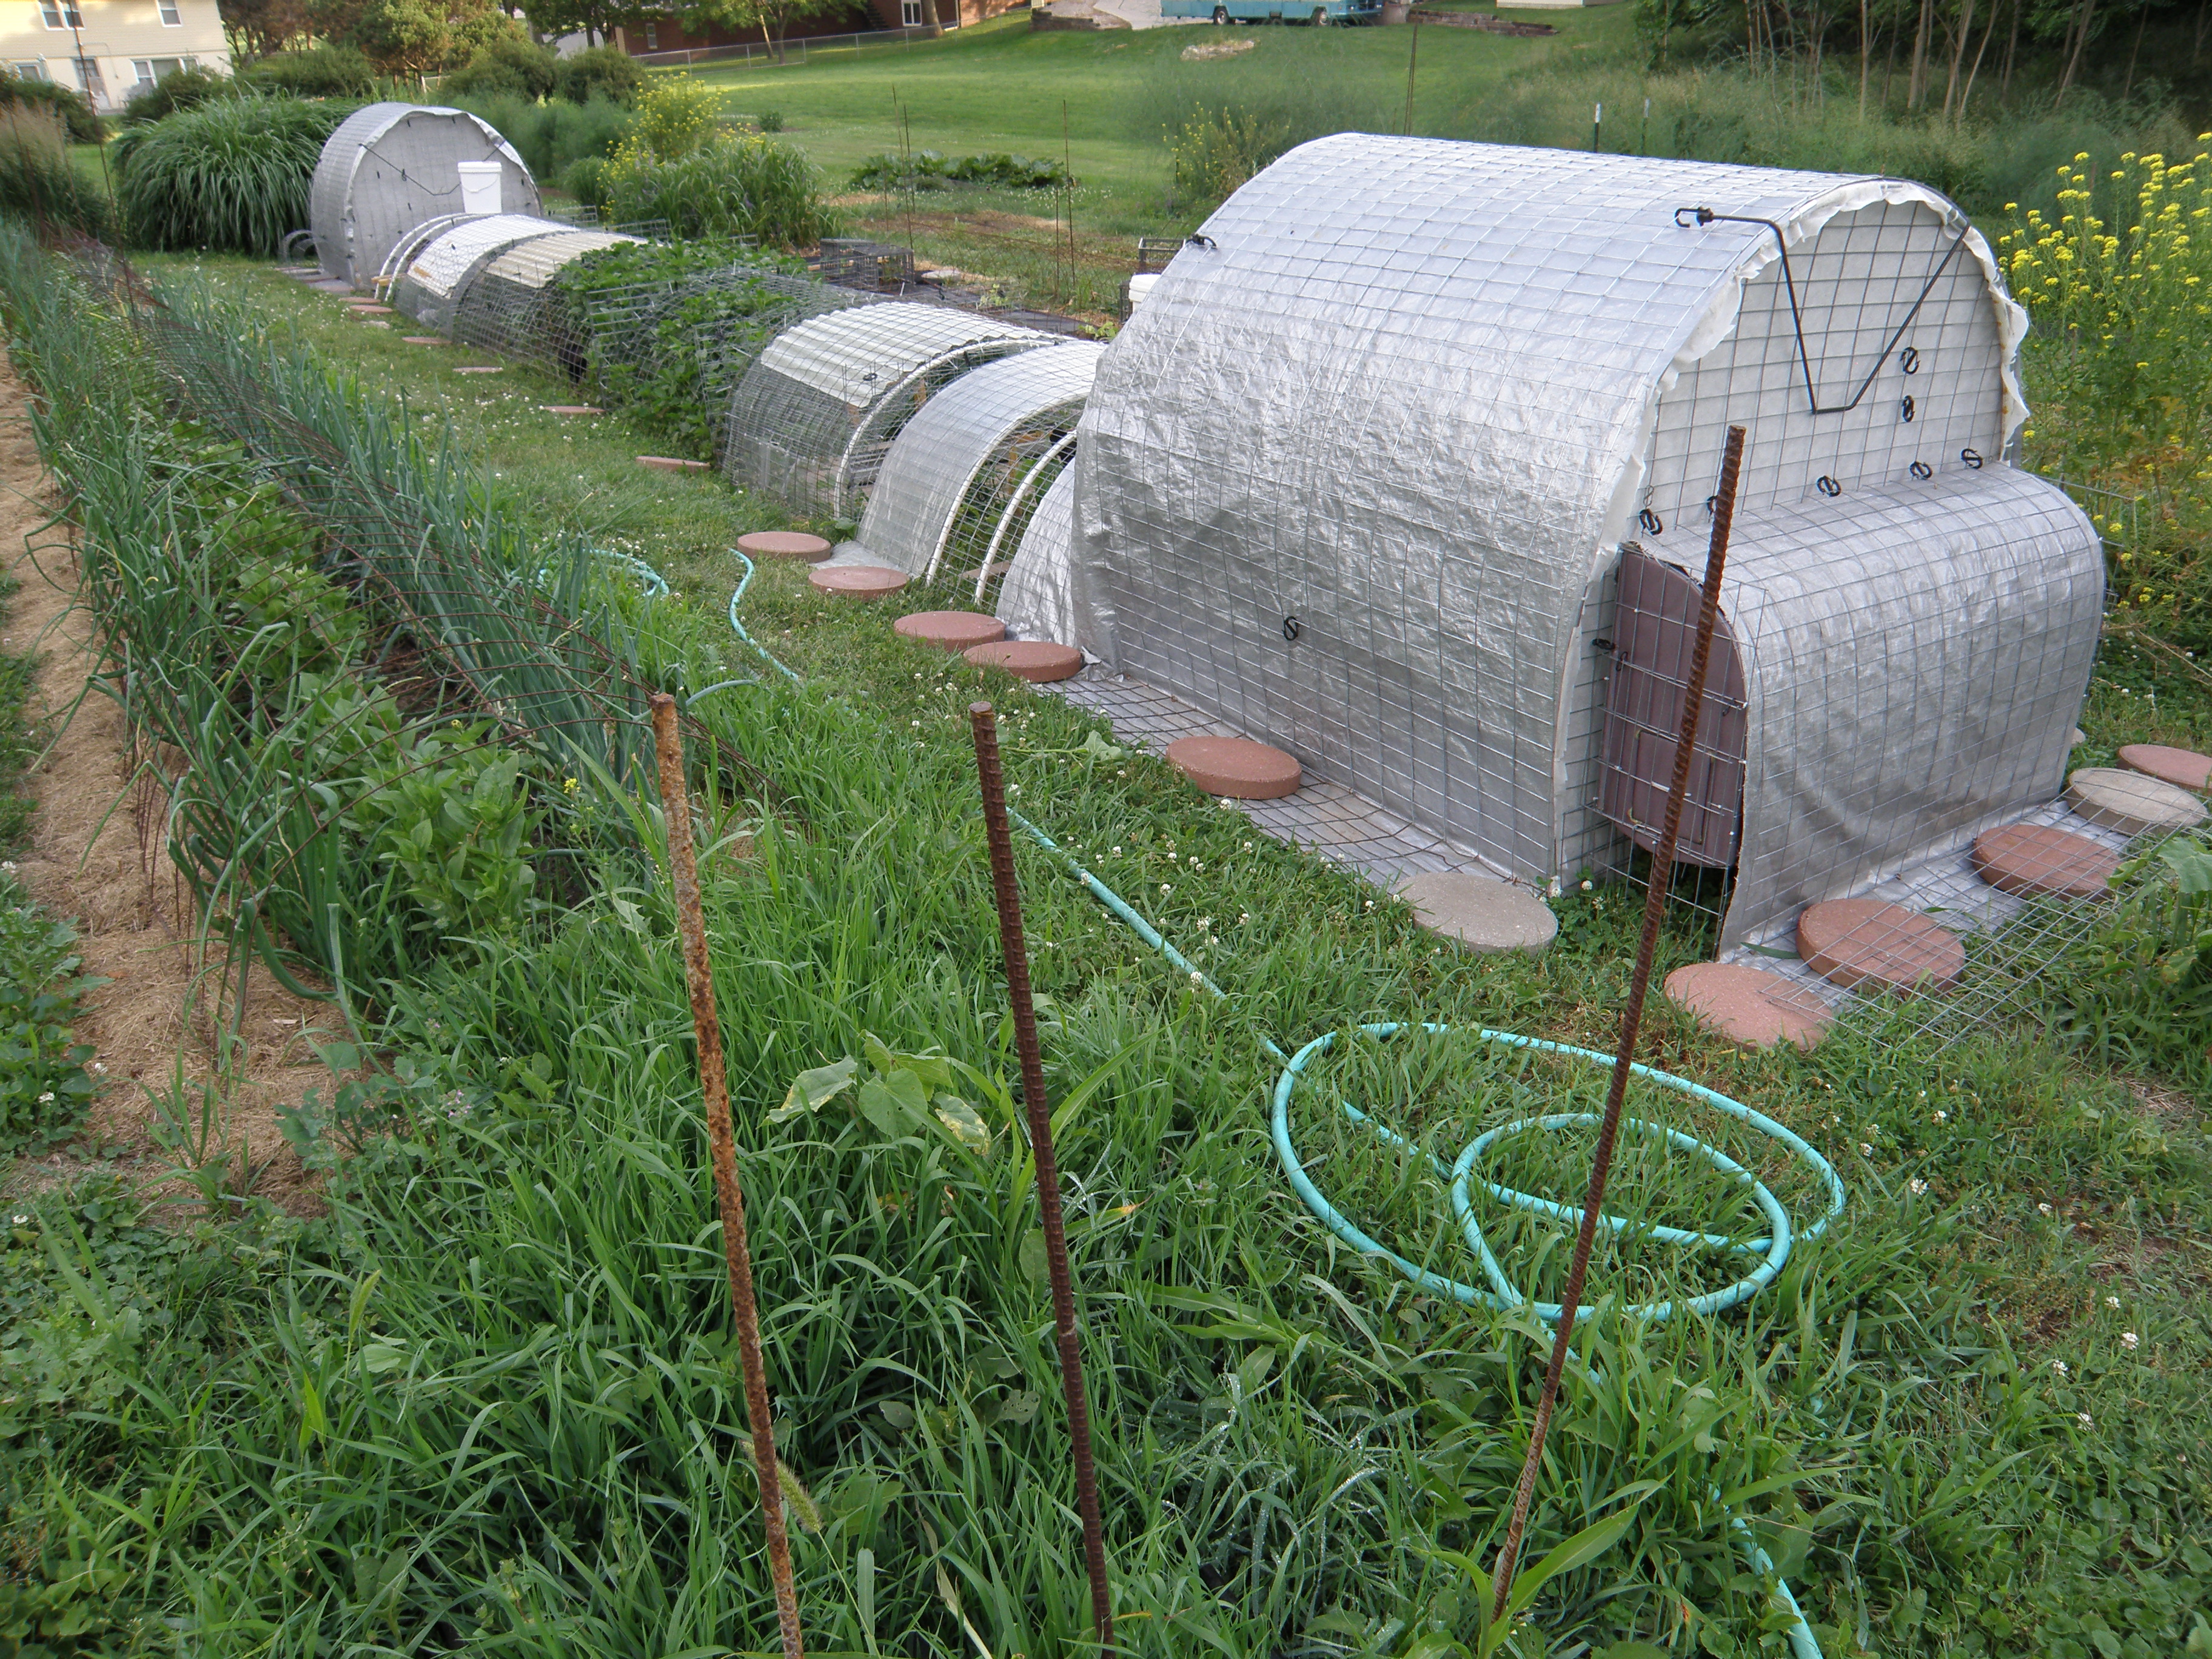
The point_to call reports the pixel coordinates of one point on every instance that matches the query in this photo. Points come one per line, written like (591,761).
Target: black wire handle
(1702,215)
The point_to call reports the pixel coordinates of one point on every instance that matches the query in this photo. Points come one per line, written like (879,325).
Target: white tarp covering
(388,167)
(1355,476)
(1036,601)
(973,440)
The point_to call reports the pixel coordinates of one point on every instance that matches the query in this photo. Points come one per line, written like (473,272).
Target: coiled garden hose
(1772,1252)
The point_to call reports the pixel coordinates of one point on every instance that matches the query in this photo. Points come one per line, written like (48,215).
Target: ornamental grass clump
(37,182)
(231,176)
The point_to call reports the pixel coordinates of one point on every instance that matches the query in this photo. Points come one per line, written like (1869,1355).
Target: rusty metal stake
(1632,1016)
(683,871)
(983,719)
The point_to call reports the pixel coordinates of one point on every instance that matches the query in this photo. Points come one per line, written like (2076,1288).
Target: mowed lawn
(1104,102)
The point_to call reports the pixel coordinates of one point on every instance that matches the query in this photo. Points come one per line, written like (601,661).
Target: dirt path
(94,855)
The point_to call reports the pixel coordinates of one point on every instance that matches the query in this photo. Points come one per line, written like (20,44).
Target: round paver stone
(784,544)
(572,408)
(1869,942)
(423,340)
(2131,803)
(1040,662)
(857,582)
(1749,1006)
(949,630)
(1236,767)
(665,463)
(481,369)
(369,308)
(2184,766)
(2034,858)
(1481,912)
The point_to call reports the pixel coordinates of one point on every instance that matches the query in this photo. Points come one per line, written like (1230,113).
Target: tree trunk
(2012,46)
(1916,86)
(1988,29)
(2084,13)
(1866,55)
(1966,33)
(2135,51)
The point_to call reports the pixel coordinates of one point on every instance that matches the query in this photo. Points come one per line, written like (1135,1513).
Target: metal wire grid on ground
(467,591)
(811,422)
(1354,478)
(429,286)
(510,304)
(1324,817)
(1036,600)
(2011,940)
(967,462)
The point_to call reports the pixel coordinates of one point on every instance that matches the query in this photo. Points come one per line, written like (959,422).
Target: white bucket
(480,186)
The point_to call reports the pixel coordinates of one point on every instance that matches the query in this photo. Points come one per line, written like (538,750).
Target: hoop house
(508,303)
(1357,477)
(814,416)
(1036,601)
(429,287)
(389,167)
(967,471)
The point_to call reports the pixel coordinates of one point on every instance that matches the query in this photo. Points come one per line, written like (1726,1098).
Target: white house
(107,48)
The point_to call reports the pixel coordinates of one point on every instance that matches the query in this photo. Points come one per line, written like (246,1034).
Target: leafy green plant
(450,817)
(926,169)
(44,1085)
(231,174)
(511,65)
(553,136)
(738,186)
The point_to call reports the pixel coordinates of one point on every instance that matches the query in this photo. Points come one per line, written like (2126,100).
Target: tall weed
(38,183)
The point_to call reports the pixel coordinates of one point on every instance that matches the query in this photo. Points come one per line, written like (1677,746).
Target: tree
(595,19)
(255,28)
(773,18)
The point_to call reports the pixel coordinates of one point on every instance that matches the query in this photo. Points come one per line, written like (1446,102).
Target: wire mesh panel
(509,304)
(957,468)
(1036,601)
(403,251)
(811,422)
(1355,478)
(429,289)
(389,167)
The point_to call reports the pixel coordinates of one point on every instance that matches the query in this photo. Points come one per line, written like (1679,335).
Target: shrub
(925,169)
(84,127)
(323,72)
(552,137)
(600,71)
(179,89)
(231,174)
(510,66)
(38,182)
(675,117)
(749,186)
(770,120)
(586,180)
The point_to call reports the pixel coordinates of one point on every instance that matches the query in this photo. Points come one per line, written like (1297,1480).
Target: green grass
(488,1404)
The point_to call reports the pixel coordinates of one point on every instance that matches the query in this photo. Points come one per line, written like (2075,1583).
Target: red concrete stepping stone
(671,463)
(1749,1006)
(2030,859)
(481,369)
(2130,802)
(1234,767)
(1040,662)
(783,544)
(949,630)
(2182,766)
(1866,942)
(571,408)
(857,582)
(423,340)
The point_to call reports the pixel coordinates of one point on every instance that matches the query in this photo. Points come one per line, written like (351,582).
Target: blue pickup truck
(1276,11)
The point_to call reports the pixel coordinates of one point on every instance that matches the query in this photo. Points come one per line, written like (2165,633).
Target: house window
(653,37)
(910,13)
(150,69)
(33,70)
(61,14)
(171,17)
(91,83)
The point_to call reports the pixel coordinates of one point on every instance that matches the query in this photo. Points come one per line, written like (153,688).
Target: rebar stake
(1632,1016)
(699,973)
(984,720)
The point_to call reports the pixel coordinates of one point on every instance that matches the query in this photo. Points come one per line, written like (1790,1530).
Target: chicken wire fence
(959,485)
(511,304)
(816,413)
